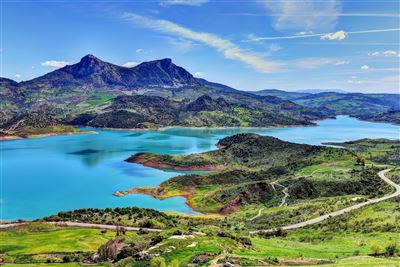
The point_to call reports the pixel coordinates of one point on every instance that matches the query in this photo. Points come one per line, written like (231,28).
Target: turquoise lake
(43,176)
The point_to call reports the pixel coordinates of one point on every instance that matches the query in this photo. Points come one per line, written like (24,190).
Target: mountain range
(159,93)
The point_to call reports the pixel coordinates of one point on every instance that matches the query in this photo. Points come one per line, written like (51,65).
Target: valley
(157,94)
(324,182)
(165,169)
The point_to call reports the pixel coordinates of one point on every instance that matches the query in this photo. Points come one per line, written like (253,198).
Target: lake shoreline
(35,136)
(151,191)
(94,177)
(166,128)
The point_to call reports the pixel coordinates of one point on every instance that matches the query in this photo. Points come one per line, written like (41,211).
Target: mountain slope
(354,104)
(351,103)
(79,92)
(391,116)
(140,111)
(279,93)
(247,169)
(92,71)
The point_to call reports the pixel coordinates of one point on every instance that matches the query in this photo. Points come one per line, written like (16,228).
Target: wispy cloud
(183,2)
(18,76)
(339,35)
(247,14)
(342,62)
(364,67)
(319,15)
(313,63)
(305,33)
(227,48)
(54,63)
(387,82)
(130,64)
(387,53)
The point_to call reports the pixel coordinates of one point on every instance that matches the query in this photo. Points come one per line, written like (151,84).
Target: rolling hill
(358,105)
(92,90)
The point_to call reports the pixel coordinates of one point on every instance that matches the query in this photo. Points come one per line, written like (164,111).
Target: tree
(360,160)
(376,249)
(392,250)
(158,262)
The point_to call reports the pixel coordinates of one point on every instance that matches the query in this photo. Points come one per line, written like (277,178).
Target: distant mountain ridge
(91,86)
(318,91)
(91,70)
(354,104)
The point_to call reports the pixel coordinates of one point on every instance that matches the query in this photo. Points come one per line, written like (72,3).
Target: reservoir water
(43,176)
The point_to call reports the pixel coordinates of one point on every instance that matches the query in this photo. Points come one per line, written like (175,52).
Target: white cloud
(387,53)
(387,81)
(130,64)
(313,63)
(199,74)
(364,67)
(354,81)
(139,50)
(339,35)
(303,14)
(342,62)
(18,76)
(225,47)
(391,53)
(374,54)
(305,33)
(54,63)
(183,2)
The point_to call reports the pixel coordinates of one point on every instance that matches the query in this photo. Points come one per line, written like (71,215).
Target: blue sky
(284,44)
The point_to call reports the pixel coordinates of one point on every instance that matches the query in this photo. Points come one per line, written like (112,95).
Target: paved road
(103,226)
(285,192)
(256,216)
(9,225)
(381,174)
(86,225)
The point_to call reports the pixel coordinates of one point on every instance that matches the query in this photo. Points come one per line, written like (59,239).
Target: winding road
(104,226)
(285,192)
(86,225)
(381,175)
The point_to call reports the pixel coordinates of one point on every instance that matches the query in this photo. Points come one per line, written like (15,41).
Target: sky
(351,45)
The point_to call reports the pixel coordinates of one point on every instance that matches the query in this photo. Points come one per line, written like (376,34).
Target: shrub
(158,262)
(391,250)
(376,249)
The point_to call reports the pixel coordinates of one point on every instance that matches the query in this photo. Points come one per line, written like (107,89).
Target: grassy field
(359,234)
(98,99)
(365,261)
(328,181)
(44,239)
(40,243)
(70,264)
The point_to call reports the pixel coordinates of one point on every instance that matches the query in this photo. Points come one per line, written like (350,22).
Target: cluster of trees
(390,250)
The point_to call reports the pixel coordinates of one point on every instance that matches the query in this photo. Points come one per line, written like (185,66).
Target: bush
(376,249)
(67,258)
(391,250)
(125,262)
(158,262)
